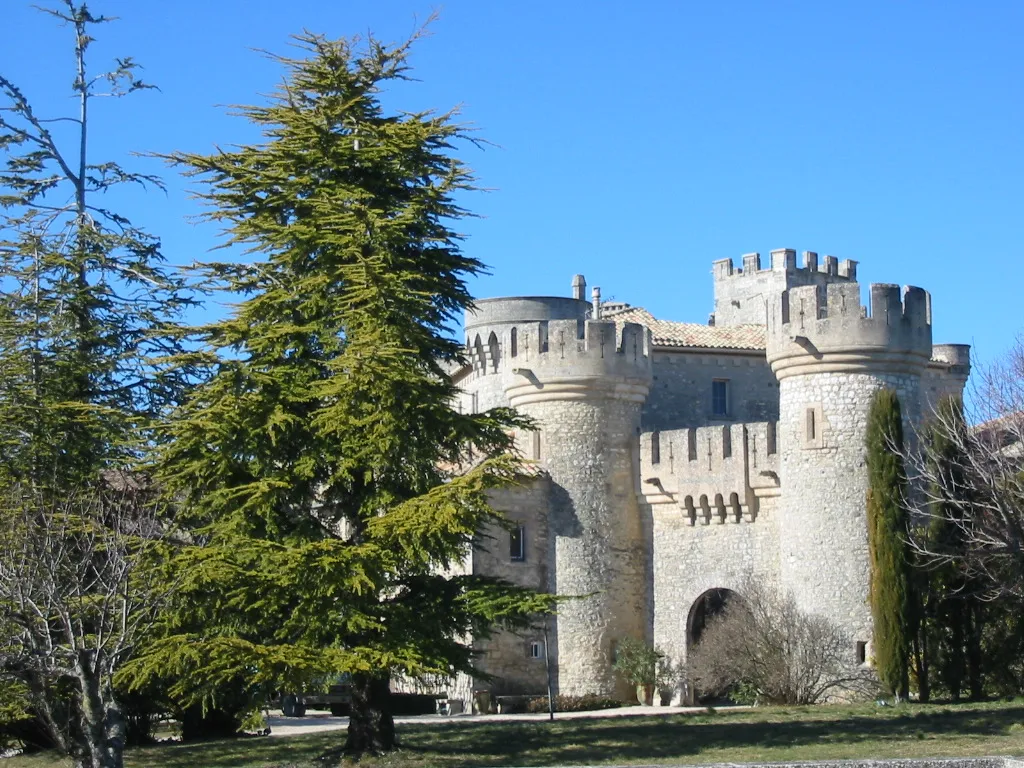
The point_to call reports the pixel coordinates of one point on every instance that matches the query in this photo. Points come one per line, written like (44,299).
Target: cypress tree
(319,462)
(887,529)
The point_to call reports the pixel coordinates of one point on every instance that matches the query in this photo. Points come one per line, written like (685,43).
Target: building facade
(677,462)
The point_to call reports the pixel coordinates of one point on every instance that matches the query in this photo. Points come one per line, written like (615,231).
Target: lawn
(764,734)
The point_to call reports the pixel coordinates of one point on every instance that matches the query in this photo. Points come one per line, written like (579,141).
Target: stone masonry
(676,462)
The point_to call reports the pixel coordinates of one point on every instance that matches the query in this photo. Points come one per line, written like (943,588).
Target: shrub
(766,650)
(636,661)
(584,703)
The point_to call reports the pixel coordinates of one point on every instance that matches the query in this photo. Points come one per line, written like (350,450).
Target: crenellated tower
(831,355)
(583,381)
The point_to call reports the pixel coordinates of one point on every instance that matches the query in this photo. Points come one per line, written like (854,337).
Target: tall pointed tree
(887,541)
(320,461)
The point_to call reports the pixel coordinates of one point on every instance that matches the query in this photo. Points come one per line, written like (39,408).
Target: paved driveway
(322,721)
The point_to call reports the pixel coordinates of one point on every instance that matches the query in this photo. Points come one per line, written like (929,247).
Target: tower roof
(667,333)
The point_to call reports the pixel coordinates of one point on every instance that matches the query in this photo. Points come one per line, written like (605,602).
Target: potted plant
(666,679)
(637,662)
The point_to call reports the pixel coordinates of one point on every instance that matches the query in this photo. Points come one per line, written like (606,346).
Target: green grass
(765,734)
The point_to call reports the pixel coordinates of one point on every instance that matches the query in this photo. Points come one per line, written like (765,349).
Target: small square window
(517,543)
(720,397)
(536,650)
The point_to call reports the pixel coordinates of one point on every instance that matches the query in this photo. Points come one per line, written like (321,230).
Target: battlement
(742,293)
(569,359)
(784,260)
(827,328)
(710,468)
(957,357)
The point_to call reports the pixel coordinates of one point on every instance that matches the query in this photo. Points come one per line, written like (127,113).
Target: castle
(678,461)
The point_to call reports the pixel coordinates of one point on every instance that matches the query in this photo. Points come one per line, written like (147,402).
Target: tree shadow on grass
(771,734)
(627,739)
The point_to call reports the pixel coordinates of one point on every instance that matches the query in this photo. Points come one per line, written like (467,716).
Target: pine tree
(320,461)
(887,531)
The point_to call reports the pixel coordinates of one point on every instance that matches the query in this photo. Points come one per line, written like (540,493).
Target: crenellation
(784,259)
(667,471)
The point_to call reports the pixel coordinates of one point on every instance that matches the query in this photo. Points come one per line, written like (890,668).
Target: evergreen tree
(88,305)
(959,623)
(322,462)
(86,316)
(887,531)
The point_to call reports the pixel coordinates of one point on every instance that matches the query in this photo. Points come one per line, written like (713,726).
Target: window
(535,445)
(517,543)
(656,448)
(536,650)
(513,343)
(720,397)
(814,426)
(862,652)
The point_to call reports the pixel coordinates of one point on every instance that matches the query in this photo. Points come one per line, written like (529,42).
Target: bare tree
(765,643)
(967,476)
(77,589)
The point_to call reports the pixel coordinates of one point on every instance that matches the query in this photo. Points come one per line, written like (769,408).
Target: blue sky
(636,142)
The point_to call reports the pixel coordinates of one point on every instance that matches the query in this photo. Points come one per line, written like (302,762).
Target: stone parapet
(579,360)
(710,474)
(822,329)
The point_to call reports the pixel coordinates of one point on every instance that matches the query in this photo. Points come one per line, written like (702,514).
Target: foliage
(86,319)
(88,304)
(322,466)
(76,596)
(636,661)
(767,648)
(973,481)
(970,636)
(588,702)
(887,531)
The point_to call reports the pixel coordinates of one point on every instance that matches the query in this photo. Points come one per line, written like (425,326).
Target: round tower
(831,356)
(583,382)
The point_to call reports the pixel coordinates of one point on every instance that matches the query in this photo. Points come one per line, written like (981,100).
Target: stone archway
(710,603)
(703,609)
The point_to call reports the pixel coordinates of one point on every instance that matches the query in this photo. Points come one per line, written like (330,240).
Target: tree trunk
(975,624)
(103,732)
(371,729)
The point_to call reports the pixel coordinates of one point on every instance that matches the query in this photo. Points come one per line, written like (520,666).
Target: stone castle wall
(822,520)
(681,391)
(647,499)
(596,542)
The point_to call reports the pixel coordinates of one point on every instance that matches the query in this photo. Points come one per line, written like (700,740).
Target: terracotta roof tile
(667,333)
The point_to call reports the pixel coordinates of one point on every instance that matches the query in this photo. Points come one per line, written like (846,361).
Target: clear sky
(637,141)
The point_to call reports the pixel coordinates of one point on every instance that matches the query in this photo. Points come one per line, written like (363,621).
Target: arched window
(513,343)
(494,351)
(479,361)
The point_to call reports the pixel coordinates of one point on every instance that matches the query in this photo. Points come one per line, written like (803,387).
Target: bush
(585,703)
(768,651)
(636,661)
